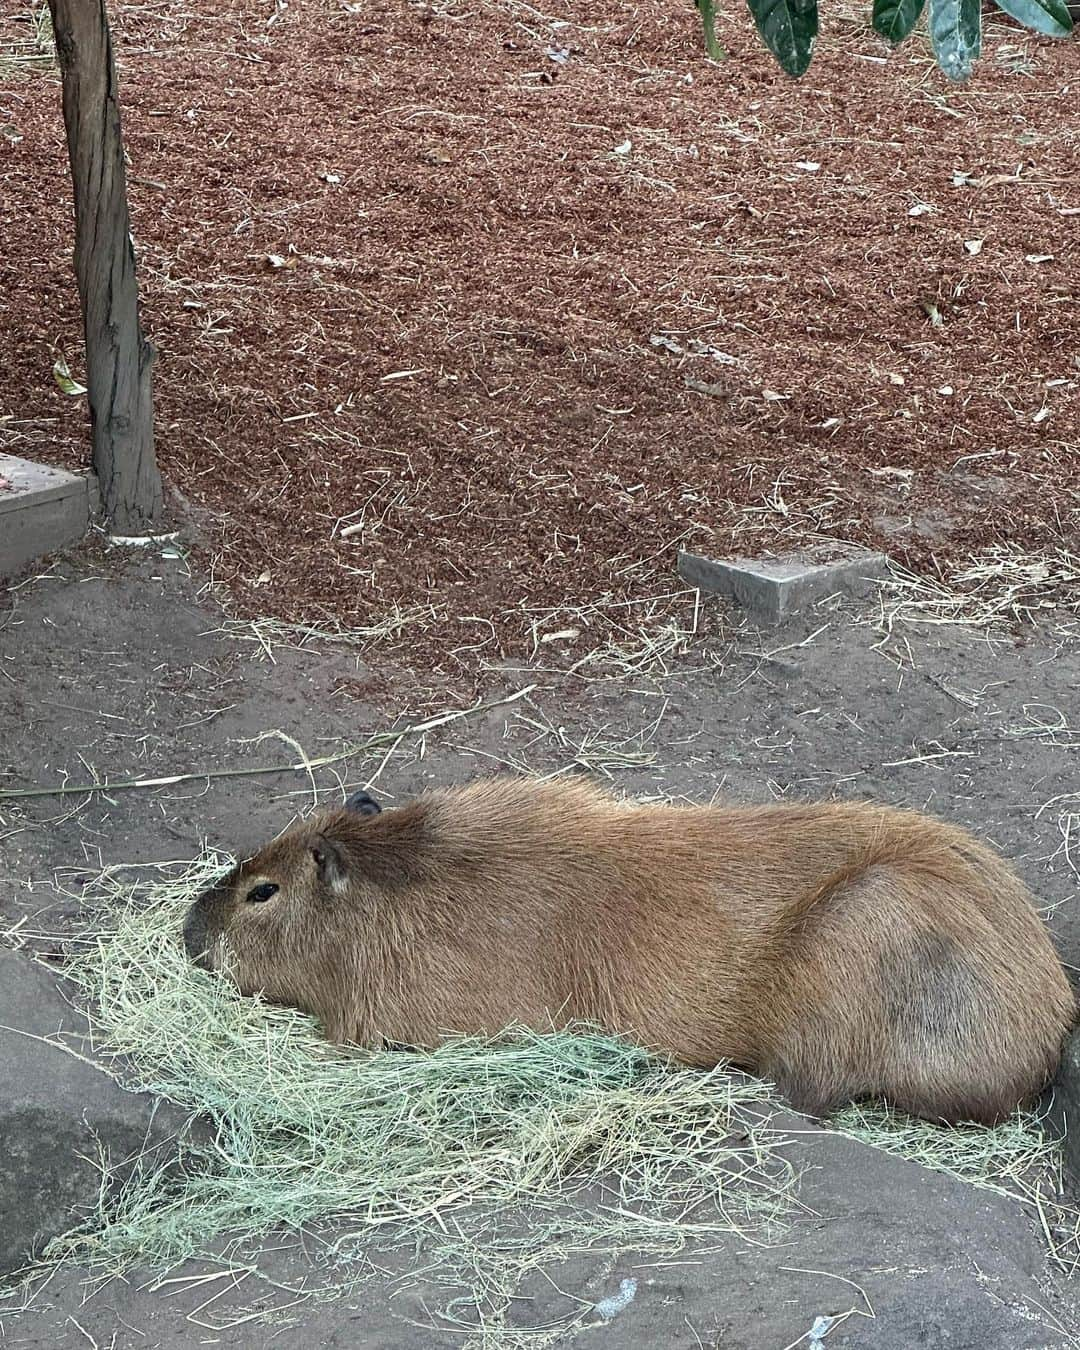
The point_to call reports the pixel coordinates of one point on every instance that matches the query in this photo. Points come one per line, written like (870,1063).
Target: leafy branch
(789,27)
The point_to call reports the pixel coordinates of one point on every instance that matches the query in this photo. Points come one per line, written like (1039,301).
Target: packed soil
(473,314)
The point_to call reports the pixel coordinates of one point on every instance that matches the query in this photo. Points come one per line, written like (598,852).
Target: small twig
(925,759)
(304,760)
(56,1045)
(79,1327)
(305,766)
(382,765)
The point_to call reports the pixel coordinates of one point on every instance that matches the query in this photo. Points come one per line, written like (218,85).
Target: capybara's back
(841,950)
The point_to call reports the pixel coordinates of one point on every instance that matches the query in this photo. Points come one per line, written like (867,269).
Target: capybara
(840,950)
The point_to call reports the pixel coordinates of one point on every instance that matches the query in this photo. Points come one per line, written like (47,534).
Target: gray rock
(57,1112)
(941,1265)
(1067,1104)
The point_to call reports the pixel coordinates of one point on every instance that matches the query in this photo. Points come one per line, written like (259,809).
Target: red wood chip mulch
(477,306)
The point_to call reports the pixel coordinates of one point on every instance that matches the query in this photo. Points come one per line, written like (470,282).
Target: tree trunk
(118,358)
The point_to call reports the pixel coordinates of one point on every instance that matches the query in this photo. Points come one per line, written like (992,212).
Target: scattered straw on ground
(998,587)
(1012,1159)
(1016,1159)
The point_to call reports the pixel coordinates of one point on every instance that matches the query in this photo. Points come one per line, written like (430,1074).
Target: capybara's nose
(196,936)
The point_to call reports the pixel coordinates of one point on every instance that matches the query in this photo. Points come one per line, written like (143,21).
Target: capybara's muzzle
(197,936)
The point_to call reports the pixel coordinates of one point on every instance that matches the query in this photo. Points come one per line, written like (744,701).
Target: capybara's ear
(363,803)
(330,861)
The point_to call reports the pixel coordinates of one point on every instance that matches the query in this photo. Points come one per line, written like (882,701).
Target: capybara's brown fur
(842,951)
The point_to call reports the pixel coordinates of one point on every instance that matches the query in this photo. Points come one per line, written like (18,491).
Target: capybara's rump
(908,992)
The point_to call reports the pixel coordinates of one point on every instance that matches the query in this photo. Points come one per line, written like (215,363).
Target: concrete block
(56,1110)
(778,588)
(42,509)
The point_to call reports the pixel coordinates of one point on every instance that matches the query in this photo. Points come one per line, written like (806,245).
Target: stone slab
(1067,1108)
(778,588)
(42,509)
(57,1111)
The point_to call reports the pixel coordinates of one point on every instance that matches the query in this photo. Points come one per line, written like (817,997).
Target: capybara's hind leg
(907,1007)
(938,1020)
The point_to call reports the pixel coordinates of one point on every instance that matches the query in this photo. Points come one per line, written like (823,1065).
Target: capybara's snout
(197,935)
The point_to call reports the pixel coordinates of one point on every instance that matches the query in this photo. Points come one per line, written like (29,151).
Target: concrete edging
(42,509)
(777,588)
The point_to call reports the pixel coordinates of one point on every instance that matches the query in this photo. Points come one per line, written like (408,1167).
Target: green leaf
(956,35)
(64,379)
(788,28)
(894,19)
(1051,17)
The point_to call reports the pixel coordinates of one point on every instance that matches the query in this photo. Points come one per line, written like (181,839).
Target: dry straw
(1000,586)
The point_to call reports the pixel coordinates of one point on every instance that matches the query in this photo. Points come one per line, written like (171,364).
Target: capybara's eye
(262,892)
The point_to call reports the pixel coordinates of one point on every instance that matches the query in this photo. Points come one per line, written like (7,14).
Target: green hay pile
(397,1147)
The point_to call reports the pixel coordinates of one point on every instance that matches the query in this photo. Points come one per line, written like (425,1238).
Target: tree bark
(118,357)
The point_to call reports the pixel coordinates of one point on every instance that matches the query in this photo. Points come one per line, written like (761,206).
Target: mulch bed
(468,306)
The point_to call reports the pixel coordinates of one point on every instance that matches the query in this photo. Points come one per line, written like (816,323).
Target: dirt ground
(115,666)
(470,314)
